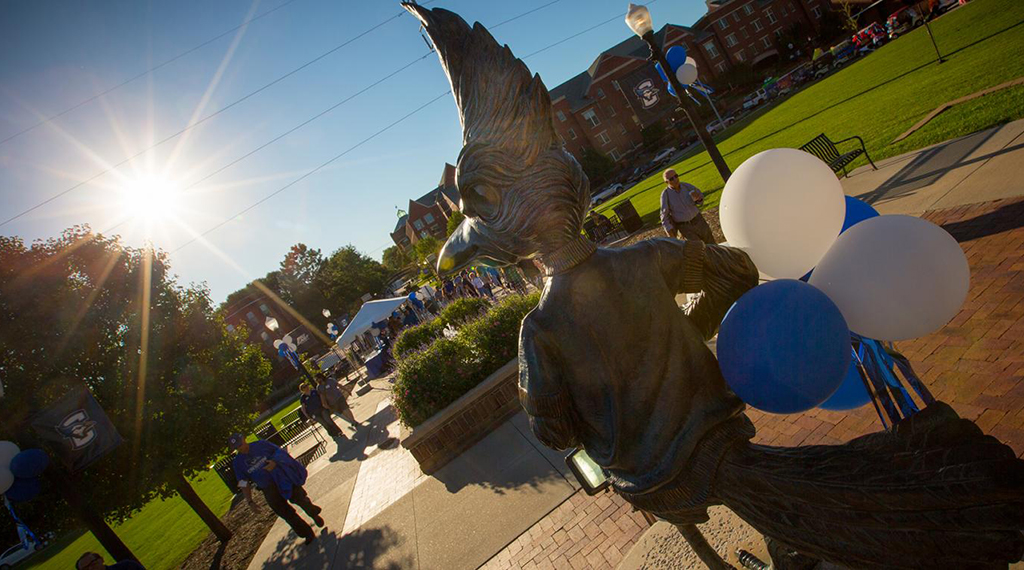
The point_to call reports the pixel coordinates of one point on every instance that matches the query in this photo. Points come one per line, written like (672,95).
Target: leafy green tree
(454,221)
(395,258)
(348,274)
(652,135)
(427,247)
(85,309)
(597,166)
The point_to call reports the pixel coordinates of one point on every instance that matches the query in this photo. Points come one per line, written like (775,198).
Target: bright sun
(149,199)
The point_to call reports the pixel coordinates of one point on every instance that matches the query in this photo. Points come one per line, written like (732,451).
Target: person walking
(94,561)
(314,409)
(334,398)
(680,210)
(280,476)
(480,285)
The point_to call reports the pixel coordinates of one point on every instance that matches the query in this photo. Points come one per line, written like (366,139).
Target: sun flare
(149,199)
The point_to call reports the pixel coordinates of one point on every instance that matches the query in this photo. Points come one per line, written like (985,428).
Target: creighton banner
(647,94)
(77,429)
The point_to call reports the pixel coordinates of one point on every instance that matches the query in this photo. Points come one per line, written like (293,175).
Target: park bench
(825,149)
(291,417)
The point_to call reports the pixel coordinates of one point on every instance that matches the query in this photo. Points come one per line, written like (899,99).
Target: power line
(144,73)
(527,13)
(578,34)
(202,120)
(310,172)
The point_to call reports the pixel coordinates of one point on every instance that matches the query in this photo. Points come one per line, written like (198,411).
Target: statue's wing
(499,101)
(542,395)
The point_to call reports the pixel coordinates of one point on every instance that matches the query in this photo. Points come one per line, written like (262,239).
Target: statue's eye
(481,201)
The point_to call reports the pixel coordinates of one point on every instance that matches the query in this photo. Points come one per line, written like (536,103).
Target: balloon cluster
(20,471)
(683,67)
(332,330)
(785,346)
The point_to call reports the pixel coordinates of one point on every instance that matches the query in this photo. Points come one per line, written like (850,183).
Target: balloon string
(876,376)
(858,355)
(899,392)
(908,372)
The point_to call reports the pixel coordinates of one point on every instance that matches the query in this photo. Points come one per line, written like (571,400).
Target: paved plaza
(509,502)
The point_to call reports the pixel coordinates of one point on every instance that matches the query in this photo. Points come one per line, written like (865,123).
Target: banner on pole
(77,429)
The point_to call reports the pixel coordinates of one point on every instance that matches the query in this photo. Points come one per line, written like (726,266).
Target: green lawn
(879,96)
(276,418)
(162,534)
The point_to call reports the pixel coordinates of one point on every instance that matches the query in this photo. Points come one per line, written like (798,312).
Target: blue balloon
(851,393)
(24,490)
(676,57)
(29,463)
(664,78)
(784,347)
(857,211)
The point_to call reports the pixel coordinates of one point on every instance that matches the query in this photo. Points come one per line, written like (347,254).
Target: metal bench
(825,149)
(291,416)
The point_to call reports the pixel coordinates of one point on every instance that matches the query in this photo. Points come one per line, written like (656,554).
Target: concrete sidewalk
(987,165)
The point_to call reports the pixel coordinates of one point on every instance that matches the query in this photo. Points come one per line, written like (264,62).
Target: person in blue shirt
(280,477)
(313,407)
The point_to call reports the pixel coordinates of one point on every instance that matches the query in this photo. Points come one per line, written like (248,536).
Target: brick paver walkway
(975,363)
(582,532)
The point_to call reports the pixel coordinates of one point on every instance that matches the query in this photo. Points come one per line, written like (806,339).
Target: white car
(664,155)
(606,193)
(17,553)
(716,125)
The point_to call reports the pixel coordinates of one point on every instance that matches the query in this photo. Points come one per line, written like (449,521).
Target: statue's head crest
(499,101)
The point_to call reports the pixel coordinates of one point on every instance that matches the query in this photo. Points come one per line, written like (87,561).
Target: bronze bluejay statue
(609,362)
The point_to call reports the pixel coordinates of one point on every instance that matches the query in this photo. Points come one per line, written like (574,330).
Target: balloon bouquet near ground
(843,283)
(20,482)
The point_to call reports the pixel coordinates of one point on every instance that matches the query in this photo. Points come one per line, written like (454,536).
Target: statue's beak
(471,241)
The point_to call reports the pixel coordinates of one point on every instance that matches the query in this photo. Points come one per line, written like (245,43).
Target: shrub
(431,379)
(456,314)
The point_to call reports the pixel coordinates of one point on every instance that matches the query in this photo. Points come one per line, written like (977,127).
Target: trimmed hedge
(430,379)
(456,314)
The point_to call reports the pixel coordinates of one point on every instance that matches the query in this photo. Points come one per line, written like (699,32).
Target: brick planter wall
(467,420)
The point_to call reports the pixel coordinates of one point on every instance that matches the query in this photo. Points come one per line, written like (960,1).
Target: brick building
(605,108)
(428,215)
(251,312)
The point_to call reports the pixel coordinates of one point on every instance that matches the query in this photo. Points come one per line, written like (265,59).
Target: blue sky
(57,53)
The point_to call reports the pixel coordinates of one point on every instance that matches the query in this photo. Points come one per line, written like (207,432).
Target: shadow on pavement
(373,432)
(364,547)
(1006,218)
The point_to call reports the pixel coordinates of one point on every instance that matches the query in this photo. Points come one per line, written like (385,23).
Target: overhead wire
(144,73)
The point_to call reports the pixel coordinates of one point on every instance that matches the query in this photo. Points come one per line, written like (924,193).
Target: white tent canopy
(371,312)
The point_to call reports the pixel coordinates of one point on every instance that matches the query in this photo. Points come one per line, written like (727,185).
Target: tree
(427,247)
(454,221)
(395,259)
(847,13)
(596,165)
(652,135)
(175,383)
(347,275)
(303,263)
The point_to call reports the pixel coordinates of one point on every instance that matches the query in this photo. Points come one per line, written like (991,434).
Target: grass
(276,418)
(162,534)
(878,97)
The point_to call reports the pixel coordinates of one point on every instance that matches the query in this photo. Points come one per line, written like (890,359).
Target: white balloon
(895,277)
(687,72)
(784,207)
(6,479)
(277,344)
(8,449)
(288,339)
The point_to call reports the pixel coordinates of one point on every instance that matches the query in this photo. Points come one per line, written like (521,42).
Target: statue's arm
(720,274)
(543,397)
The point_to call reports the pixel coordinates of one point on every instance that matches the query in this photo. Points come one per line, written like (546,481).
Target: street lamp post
(638,18)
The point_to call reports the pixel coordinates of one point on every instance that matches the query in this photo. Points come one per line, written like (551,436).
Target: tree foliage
(454,221)
(74,311)
(347,275)
(597,166)
(395,258)
(427,247)
(652,135)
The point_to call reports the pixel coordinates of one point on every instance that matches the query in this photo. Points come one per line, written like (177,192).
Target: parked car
(606,193)
(755,99)
(19,552)
(664,156)
(871,37)
(902,21)
(716,125)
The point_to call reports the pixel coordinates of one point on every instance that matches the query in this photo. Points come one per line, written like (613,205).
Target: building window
(572,134)
(710,48)
(616,85)
(603,137)
(753,48)
(418,224)
(424,234)
(784,10)
(622,129)
(252,317)
(770,15)
(591,117)
(730,40)
(560,115)
(757,25)
(745,34)
(747,9)
(264,309)
(817,11)
(429,218)
(723,24)
(231,328)
(611,111)
(600,93)
(736,16)
(778,34)
(721,67)
(740,56)
(265,336)
(614,153)
(767,42)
